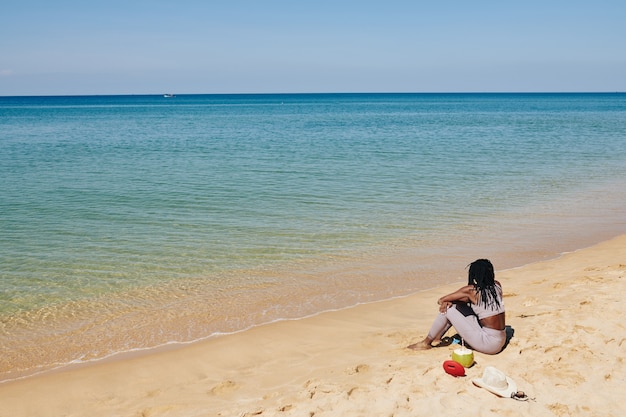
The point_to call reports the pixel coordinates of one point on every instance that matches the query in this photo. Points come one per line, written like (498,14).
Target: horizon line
(174,95)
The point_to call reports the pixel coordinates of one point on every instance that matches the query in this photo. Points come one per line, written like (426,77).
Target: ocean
(132,222)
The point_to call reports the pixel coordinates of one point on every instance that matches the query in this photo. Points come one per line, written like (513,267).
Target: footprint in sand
(564,376)
(592,268)
(530,301)
(586,329)
(587,279)
(223,388)
(315,388)
(560,409)
(361,368)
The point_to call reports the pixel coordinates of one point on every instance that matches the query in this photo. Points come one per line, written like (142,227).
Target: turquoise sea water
(127,222)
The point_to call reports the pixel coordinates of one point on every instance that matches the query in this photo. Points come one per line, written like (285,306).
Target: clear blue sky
(52,47)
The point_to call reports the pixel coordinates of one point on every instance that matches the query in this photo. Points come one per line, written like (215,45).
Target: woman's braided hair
(482,277)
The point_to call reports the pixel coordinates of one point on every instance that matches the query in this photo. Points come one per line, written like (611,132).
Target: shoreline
(361,269)
(375,269)
(355,358)
(406,272)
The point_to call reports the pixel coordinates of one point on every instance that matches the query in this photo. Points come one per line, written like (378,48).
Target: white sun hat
(497,382)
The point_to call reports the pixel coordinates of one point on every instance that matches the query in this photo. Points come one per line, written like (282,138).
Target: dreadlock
(482,277)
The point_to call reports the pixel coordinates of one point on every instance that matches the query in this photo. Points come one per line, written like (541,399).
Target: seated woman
(483,326)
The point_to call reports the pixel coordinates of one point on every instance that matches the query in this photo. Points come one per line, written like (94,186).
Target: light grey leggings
(481,339)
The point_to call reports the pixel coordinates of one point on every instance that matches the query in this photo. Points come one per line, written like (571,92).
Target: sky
(83,47)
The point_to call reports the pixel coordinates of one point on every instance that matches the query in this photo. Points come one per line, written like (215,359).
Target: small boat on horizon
(168,95)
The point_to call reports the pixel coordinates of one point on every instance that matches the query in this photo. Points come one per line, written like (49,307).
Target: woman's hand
(443,305)
(465,294)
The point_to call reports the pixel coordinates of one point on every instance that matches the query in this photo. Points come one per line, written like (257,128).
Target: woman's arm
(464,294)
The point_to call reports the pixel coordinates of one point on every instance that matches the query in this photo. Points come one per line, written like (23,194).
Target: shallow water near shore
(134,221)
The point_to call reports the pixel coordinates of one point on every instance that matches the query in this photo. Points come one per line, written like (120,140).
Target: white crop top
(482,312)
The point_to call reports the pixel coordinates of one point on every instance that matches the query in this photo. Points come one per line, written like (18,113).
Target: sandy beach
(565,353)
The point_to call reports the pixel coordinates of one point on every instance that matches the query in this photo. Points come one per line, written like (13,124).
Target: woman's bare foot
(446,341)
(423,345)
